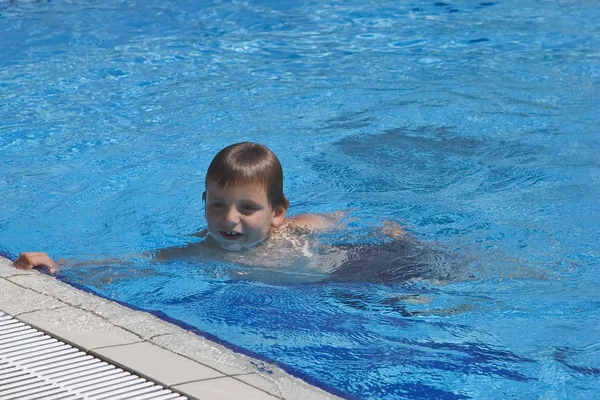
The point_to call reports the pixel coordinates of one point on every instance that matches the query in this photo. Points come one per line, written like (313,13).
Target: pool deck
(142,343)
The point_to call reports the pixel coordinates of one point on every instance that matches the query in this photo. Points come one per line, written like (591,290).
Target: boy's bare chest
(290,253)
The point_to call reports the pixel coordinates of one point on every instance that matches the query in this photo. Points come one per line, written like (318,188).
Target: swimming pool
(474,124)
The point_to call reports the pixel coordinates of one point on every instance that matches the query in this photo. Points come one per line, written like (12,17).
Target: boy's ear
(204,196)
(279,217)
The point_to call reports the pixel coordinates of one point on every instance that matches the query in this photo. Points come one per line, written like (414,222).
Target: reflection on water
(433,159)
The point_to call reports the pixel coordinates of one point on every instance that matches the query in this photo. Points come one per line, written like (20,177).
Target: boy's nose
(232,217)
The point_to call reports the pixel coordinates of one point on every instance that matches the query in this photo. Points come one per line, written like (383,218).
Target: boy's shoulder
(312,221)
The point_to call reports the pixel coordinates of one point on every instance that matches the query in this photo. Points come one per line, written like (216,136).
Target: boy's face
(240,216)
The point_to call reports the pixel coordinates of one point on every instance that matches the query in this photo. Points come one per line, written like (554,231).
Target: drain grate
(35,366)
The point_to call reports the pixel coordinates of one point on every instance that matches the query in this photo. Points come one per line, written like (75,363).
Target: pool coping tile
(6,268)
(212,354)
(50,286)
(79,328)
(17,300)
(223,389)
(157,364)
(261,382)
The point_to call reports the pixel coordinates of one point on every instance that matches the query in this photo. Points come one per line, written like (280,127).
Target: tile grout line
(280,395)
(17,315)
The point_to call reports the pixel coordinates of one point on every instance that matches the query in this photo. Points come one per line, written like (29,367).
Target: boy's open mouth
(231,235)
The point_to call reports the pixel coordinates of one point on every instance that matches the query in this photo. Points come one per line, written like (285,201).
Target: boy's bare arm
(333,220)
(394,230)
(174,253)
(185,251)
(314,221)
(30,260)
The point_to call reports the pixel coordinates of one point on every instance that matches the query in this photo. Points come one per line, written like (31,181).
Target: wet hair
(248,163)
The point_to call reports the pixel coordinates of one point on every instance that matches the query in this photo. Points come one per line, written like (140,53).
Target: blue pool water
(473,124)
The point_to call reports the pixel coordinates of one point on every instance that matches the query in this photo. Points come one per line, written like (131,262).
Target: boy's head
(249,163)
(244,195)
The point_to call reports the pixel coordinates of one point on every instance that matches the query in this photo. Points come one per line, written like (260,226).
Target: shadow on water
(565,357)
(395,262)
(429,159)
(402,168)
(351,120)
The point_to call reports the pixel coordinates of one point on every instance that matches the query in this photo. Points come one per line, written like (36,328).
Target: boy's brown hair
(249,163)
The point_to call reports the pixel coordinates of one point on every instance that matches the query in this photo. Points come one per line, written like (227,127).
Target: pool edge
(97,325)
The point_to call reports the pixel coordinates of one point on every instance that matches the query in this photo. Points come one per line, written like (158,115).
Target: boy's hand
(29,260)
(394,230)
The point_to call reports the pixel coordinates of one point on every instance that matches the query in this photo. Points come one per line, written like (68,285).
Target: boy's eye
(249,208)
(216,205)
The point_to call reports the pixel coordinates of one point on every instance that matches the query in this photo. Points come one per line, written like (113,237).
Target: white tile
(239,365)
(52,287)
(206,352)
(79,327)
(160,365)
(141,323)
(261,382)
(296,389)
(223,389)
(6,268)
(281,384)
(15,299)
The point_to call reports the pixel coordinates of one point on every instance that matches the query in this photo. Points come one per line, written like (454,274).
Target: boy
(245,209)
